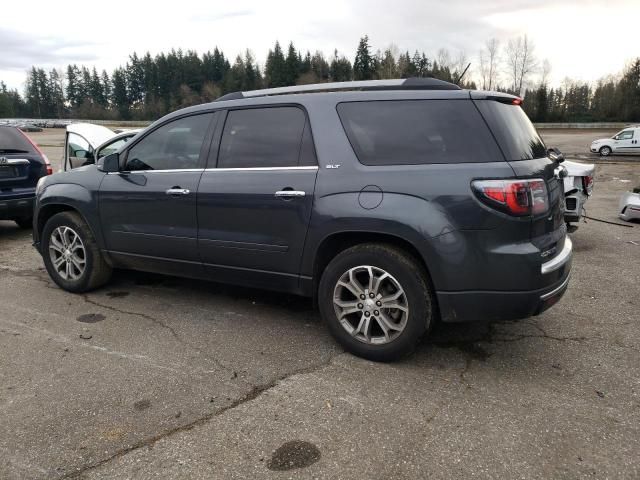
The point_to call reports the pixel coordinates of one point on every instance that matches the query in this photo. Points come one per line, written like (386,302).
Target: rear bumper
(469,306)
(16,208)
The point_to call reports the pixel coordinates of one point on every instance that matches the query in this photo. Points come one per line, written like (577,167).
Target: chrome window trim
(259,169)
(177,170)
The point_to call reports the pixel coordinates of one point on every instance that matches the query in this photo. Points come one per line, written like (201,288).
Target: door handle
(290,193)
(175,191)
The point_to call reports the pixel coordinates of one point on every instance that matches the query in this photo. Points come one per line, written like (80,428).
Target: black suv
(22,164)
(393,203)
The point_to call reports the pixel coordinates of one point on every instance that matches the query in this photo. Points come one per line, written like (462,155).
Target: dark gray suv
(394,203)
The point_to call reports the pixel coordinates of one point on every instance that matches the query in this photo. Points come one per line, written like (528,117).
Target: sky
(583,39)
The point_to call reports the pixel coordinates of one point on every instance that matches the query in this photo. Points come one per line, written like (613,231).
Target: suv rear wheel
(71,254)
(376,301)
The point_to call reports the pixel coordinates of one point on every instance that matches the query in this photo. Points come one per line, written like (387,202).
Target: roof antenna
(462,74)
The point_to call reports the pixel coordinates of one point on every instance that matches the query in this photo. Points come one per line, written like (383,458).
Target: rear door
(254,206)
(148,210)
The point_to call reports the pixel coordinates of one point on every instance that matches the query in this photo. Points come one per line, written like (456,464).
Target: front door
(148,210)
(624,142)
(254,208)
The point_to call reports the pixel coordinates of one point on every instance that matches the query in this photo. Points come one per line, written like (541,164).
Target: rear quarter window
(514,131)
(413,132)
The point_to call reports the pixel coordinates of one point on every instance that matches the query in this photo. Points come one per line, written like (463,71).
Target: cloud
(21,50)
(216,17)
(561,29)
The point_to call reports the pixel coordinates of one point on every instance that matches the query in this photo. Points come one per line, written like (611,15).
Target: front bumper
(469,306)
(16,208)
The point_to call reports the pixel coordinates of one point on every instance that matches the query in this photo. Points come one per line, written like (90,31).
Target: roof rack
(367,85)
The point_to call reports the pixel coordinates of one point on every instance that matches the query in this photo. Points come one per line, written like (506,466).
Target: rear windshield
(514,131)
(411,132)
(13,141)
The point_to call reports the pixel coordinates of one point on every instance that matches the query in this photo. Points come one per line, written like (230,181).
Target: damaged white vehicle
(578,187)
(629,207)
(577,181)
(85,143)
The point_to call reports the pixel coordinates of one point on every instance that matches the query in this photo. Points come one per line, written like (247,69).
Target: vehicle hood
(94,134)
(601,140)
(576,169)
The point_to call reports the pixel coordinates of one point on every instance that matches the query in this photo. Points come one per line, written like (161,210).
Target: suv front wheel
(376,301)
(71,254)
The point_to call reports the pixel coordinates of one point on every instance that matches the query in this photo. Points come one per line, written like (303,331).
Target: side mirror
(555,155)
(110,163)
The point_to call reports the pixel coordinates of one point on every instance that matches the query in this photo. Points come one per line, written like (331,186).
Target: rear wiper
(12,150)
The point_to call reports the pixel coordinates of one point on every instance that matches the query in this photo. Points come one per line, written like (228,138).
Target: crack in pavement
(30,273)
(253,394)
(162,324)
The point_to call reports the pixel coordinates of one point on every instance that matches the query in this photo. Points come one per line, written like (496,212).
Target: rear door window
(514,131)
(413,132)
(262,137)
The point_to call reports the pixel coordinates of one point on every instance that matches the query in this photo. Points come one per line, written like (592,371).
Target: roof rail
(396,84)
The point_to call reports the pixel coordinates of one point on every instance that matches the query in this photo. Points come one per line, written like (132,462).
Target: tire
(24,223)
(403,273)
(58,234)
(605,151)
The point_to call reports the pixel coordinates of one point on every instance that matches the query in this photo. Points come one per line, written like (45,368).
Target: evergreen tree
(363,66)
(119,94)
(275,68)
(292,66)
(340,69)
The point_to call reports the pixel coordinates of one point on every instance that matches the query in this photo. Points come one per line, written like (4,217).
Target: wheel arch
(47,211)
(334,243)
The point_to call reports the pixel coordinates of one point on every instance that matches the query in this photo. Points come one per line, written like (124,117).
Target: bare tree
(488,60)
(546,71)
(460,63)
(521,62)
(444,58)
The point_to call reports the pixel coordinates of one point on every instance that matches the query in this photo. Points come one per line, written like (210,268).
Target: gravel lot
(160,377)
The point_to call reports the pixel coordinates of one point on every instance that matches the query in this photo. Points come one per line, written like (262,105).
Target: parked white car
(578,186)
(85,143)
(629,207)
(623,142)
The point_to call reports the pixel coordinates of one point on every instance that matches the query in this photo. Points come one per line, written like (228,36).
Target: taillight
(47,163)
(587,184)
(514,197)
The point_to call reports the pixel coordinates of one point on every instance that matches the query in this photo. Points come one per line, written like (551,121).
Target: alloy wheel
(370,304)
(67,253)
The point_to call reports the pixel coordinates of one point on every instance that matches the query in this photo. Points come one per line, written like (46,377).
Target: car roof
(307,95)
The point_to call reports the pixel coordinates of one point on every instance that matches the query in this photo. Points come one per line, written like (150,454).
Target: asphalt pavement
(161,377)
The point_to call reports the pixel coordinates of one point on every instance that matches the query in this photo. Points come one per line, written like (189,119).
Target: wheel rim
(67,253)
(371,305)
(605,151)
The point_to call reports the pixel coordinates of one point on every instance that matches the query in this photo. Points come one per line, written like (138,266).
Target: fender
(73,196)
